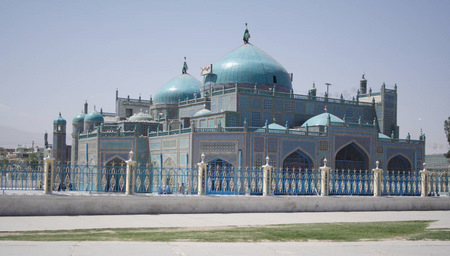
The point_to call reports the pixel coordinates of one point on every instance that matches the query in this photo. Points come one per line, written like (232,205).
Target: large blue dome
(181,87)
(249,65)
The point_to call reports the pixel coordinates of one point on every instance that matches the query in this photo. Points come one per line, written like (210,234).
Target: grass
(409,230)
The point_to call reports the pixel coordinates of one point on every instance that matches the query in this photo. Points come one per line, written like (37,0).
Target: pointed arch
(219,163)
(115,161)
(298,160)
(351,157)
(169,163)
(399,163)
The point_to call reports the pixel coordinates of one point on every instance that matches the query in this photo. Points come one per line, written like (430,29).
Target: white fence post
(424,176)
(325,172)
(377,172)
(129,190)
(267,177)
(48,173)
(202,176)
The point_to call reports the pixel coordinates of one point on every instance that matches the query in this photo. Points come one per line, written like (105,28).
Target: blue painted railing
(218,180)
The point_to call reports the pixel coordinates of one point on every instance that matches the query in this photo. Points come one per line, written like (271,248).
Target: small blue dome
(94,117)
(181,87)
(59,120)
(79,119)
(202,112)
(322,120)
(249,65)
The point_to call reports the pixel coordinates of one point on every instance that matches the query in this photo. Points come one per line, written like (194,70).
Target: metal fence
(219,180)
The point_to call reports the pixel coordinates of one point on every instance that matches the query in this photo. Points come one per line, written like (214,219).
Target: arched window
(351,157)
(399,163)
(297,160)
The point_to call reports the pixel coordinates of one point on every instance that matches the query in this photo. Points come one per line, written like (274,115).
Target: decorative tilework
(268,104)
(256,119)
(278,118)
(289,118)
(289,106)
(310,108)
(256,103)
(222,147)
(267,116)
(273,145)
(358,112)
(349,112)
(169,144)
(323,145)
(184,143)
(116,144)
(364,142)
(300,107)
(278,105)
(258,144)
(244,102)
(339,111)
(320,108)
(380,149)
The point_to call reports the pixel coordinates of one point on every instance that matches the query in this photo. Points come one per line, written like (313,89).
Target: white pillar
(267,169)
(424,176)
(377,180)
(202,176)
(48,172)
(129,189)
(325,171)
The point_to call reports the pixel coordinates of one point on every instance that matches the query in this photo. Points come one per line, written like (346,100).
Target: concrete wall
(143,204)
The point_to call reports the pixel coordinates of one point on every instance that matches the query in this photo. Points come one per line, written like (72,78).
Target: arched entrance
(113,176)
(219,176)
(297,160)
(399,163)
(351,157)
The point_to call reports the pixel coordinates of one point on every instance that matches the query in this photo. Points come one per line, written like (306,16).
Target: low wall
(136,204)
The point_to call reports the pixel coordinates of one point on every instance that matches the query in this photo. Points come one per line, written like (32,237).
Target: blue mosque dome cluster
(226,117)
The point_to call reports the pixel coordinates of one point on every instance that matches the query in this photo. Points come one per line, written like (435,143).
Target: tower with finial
(246,35)
(185,67)
(59,139)
(363,84)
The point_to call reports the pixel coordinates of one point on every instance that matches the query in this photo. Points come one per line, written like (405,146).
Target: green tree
(32,159)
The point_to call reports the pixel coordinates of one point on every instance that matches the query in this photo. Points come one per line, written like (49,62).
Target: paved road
(213,220)
(391,247)
(406,248)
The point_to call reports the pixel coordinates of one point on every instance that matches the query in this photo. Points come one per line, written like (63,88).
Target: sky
(55,55)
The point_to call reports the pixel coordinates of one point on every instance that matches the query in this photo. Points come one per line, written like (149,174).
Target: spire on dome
(185,67)
(246,34)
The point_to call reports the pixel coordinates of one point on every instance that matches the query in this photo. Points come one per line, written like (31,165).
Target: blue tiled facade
(229,116)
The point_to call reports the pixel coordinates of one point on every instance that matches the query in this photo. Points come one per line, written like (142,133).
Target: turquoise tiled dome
(202,112)
(181,87)
(94,117)
(249,65)
(79,119)
(322,120)
(59,120)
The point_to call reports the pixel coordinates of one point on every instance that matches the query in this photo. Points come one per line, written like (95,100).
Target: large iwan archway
(297,160)
(399,163)
(351,157)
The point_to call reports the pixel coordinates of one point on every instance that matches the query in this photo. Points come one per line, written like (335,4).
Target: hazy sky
(54,55)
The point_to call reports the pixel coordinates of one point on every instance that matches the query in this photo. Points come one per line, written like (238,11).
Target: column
(48,173)
(424,176)
(202,176)
(377,180)
(267,171)
(129,189)
(325,171)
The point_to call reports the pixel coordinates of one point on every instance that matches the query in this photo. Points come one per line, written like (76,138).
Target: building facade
(244,110)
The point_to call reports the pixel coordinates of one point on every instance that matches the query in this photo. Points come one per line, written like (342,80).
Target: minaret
(59,139)
(363,85)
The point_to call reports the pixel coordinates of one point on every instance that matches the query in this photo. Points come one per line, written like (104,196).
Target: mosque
(244,110)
